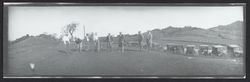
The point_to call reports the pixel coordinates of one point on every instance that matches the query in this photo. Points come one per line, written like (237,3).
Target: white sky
(113,19)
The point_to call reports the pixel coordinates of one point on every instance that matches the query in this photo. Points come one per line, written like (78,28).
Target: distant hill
(20,39)
(27,37)
(233,31)
(36,42)
(222,34)
(235,26)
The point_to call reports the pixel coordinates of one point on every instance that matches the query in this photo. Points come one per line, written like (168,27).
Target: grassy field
(53,58)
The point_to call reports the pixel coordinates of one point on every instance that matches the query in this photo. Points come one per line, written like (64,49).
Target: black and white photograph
(123,40)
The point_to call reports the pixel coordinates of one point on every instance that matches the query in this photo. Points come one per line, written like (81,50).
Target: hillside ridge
(231,33)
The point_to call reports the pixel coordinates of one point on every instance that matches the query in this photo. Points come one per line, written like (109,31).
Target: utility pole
(84,31)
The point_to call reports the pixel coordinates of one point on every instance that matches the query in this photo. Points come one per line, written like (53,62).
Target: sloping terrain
(51,57)
(235,28)
(233,31)
(223,34)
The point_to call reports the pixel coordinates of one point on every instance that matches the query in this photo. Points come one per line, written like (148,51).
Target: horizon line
(143,32)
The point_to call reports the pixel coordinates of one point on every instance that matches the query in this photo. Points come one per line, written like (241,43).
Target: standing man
(78,41)
(149,40)
(91,41)
(96,41)
(140,38)
(109,39)
(121,41)
(86,41)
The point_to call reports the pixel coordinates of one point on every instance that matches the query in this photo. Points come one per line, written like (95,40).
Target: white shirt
(95,37)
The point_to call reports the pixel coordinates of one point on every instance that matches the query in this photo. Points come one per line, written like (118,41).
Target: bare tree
(70,29)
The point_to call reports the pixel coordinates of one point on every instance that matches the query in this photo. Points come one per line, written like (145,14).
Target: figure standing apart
(92,44)
(97,43)
(149,40)
(121,42)
(86,41)
(109,41)
(140,39)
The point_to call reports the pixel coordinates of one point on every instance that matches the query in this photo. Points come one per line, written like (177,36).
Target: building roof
(190,45)
(204,45)
(232,45)
(173,44)
(217,46)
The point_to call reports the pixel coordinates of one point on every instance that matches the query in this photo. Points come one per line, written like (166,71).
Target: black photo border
(128,2)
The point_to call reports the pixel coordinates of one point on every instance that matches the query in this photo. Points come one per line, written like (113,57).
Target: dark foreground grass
(58,60)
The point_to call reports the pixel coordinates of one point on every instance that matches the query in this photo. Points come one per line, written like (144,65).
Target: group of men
(121,40)
(91,41)
(148,39)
